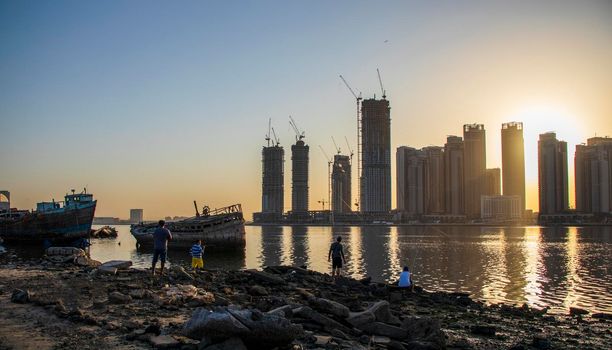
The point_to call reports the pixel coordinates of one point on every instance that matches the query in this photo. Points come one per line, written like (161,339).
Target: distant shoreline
(425,224)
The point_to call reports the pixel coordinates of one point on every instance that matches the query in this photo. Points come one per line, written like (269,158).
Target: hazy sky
(152,104)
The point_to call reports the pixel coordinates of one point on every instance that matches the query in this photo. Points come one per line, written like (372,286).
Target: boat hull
(228,235)
(67,225)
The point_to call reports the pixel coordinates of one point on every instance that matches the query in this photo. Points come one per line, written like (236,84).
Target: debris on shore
(104,232)
(115,305)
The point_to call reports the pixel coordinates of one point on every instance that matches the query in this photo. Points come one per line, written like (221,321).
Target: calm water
(556,267)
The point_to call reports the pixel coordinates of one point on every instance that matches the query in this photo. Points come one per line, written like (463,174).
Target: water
(555,267)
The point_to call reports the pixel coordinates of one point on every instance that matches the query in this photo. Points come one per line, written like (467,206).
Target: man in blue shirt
(161,236)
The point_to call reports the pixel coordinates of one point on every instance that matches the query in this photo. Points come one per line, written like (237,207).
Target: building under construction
(272,192)
(341,184)
(299,178)
(375,177)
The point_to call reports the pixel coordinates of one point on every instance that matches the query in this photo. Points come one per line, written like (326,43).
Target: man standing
(161,236)
(336,253)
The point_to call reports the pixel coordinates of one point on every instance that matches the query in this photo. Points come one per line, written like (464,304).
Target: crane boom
(382,89)
(349,87)
(276,139)
(268,134)
(335,145)
(325,154)
(349,147)
(298,135)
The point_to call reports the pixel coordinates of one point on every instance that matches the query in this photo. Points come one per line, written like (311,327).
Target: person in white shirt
(405,280)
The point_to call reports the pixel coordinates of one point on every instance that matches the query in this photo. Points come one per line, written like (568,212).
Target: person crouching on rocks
(405,280)
(161,236)
(197,250)
(336,253)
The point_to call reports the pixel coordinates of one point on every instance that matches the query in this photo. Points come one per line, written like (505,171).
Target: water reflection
(556,267)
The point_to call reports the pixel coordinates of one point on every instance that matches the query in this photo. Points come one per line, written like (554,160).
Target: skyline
(153,107)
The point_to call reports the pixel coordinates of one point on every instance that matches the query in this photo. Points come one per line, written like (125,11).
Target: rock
(60,307)
(265,277)
(284,310)
(99,303)
(422,345)
(382,313)
(258,290)
(252,326)
(339,334)
(322,340)
(229,344)
(164,342)
(180,272)
(602,316)
(153,328)
(576,311)
(424,329)
(364,339)
(138,293)
(107,270)
(358,319)
(539,341)
(85,261)
(483,330)
(119,298)
(118,264)
(379,340)
(20,296)
(327,323)
(387,330)
(330,307)
(395,345)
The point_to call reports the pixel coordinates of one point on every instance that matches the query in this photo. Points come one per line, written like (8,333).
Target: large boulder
(357,319)
(252,326)
(265,277)
(327,323)
(382,313)
(330,307)
(387,330)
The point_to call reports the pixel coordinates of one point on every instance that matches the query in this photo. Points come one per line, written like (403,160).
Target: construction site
(371,204)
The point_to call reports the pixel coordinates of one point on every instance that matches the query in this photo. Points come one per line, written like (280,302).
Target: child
(197,250)
(405,280)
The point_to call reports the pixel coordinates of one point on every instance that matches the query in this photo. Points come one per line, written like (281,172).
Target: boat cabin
(73,200)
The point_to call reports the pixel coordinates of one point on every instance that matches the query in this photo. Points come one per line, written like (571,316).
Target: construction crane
(358,101)
(335,145)
(323,201)
(349,148)
(276,139)
(298,135)
(329,164)
(268,134)
(384,93)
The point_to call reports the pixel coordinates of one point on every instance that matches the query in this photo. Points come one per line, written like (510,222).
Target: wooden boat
(62,221)
(223,227)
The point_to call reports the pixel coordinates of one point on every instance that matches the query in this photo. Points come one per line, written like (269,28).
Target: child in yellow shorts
(197,250)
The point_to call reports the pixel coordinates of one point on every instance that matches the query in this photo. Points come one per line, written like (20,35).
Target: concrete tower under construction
(341,184)
(375,177)
(299,177)
(272,199)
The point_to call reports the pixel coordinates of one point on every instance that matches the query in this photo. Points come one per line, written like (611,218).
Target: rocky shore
(80,304)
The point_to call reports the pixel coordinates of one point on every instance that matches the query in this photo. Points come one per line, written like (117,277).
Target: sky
(154,104)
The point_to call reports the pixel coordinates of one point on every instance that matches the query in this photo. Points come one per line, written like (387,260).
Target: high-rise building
(434,180)
(136,215)
(272,199)
(453,176)
(493,182)
(341,184)
(474,167)
(513,160)
(552,174)
(411,180)
(299,177)
(375,178)
(593,175)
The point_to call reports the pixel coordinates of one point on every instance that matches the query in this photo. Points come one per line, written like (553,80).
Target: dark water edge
(556,267)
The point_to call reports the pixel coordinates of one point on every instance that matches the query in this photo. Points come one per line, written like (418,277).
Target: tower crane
(335,145)
(358,102)
(268,134)
(276,139)
(349,148)
(329,163)
(298,135)
(384,93)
